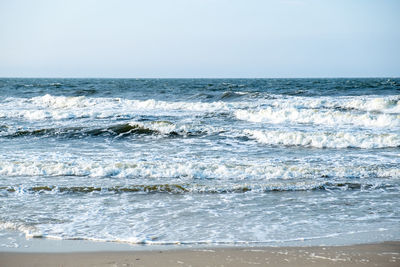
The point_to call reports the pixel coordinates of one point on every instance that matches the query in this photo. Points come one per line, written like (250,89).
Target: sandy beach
(382,254)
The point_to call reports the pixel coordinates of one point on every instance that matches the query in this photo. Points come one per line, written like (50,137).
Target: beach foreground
(382,254)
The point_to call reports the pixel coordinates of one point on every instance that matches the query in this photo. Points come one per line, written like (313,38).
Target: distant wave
(50,107)
(371,111)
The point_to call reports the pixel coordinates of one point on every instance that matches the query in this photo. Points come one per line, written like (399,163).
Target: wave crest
(318,117)
(188,170)
(163,128)
(325,139)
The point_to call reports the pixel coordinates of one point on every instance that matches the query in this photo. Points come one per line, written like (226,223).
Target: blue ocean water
(201,161)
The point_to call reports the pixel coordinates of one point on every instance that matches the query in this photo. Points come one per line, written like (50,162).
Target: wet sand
(382,254)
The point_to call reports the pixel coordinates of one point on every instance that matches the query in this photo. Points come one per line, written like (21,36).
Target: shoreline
(18,242)
(377,254)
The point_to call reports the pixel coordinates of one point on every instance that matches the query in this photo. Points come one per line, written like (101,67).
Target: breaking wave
(376,104)
(326,139)
(318,117)
(164,128)
(62,107)
(370,111)
(188,170)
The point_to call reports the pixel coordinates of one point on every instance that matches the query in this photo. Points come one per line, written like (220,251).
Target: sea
(263,162)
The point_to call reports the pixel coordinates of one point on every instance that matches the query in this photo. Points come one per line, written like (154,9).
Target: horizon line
(215,78)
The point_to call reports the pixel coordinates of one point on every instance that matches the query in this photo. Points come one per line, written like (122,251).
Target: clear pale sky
(199,38)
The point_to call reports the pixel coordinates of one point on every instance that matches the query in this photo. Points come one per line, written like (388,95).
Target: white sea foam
(317,116)
(326,139)
(319,110)
(61,108)
(189,170)
(166,127)
(386,104)
(389,104)
(61,102)
(29,231)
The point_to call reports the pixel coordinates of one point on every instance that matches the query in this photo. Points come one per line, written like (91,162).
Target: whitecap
(325,139)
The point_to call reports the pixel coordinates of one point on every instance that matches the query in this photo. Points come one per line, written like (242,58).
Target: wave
(232,95)
(318,117)
(376,104)
(389,104)
(62,108)
(43,231)
(164,128)
(314,139)
(261,107)
(198,188)
(189,170)
(62,102)
(325,139)
(28,230)
(116,130)
(50,107)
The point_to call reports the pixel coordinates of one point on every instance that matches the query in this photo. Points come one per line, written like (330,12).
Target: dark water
(216,161)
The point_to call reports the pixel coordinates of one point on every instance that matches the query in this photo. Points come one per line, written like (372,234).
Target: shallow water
(204,161)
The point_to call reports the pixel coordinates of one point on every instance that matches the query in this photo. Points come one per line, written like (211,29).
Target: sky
(200,38)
